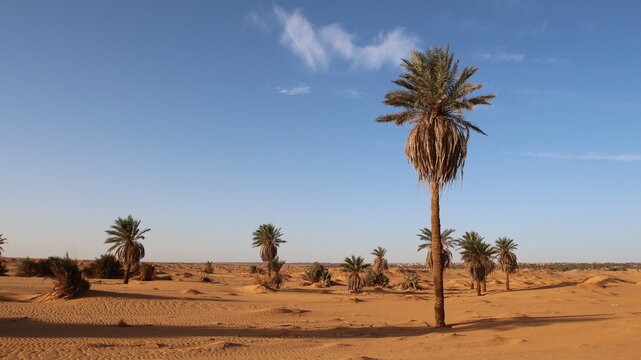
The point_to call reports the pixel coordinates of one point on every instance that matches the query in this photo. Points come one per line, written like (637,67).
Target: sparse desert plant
(27,268)
(209,267)
(505,248)
(3,268)
(380,263)
(432,98)
(326,279)
(411,281)
(262,280)
(205,279)
(3,240)
(276,279)
(447,242)
(68,280)
(125,235)
(268,237)
(253,269)
(106,266)
(372,278)
(354,266)
(147,271)
(314,273)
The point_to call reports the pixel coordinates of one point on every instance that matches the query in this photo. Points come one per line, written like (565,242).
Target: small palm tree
(354,266)
(380,263)
(448,243)
(477,256)
(125,235)
(268,237)
(432,98)
(274,267)
(506,257)
(3,240)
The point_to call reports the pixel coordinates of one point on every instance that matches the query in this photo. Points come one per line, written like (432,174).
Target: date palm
(380,263)
(3,240)
(505,248)
(433,97)
(477,256)
(125,235)
(274,266)
(446,239)
(268,237)
(354,266)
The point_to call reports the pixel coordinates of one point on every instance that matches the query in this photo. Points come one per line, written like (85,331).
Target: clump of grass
(410,281)
(68,280)
(326,279)
(27,268)
(314,273)
(372,278)
(106,266)
(146,271)
(253,269)
(209,267)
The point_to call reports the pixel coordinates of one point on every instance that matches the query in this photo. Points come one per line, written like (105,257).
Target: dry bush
(3,268)
(146,271)
(68,280)
(410,281)
(206,279)
(253,269)
(209,267)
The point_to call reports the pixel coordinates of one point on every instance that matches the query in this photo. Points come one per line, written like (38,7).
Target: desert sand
(548,315)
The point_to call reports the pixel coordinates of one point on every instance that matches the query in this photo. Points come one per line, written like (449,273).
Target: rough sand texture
(548,315)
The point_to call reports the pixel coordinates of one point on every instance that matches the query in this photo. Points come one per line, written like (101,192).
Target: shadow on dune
(137,296)
(28,328)
(551,286)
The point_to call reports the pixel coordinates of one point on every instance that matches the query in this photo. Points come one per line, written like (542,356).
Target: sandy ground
(548,315)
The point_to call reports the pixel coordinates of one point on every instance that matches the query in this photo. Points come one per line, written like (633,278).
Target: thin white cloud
(351,93)
(586,156)
(256,20)
(316,46)
(297,90)
(550,60)
(502,56)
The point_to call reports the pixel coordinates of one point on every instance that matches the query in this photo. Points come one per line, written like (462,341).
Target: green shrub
(107,266)
(326,279)
(374,279)
(68,280)
(410,281)
(27,268)
(314,273)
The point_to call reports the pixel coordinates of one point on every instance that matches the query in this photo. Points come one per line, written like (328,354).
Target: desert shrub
(372,278)
(209,267)
(3,268)
(253,269)
(27,268)
(262,280)
(410,281)
(68,280)
(106,266)
(326,279)
(314,273)
(205,279)
(146,271)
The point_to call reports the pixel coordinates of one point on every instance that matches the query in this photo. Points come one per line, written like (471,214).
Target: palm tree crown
(380,263)
(477,256)
(3,240)
(268,237)
(504,249)
(447,240)
(354,265)
(433,97)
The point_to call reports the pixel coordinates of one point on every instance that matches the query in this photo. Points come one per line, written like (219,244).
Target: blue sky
(206,119)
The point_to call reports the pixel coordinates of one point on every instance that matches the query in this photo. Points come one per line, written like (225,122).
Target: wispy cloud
(297,90)
(502,56)
(586,156)
(550,60)
(316,46)
(351,93)
(254,19)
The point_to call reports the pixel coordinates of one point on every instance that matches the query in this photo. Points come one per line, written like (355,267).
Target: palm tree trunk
(478,288)
(269,271)
(472,284)
(437,259)
(127,271)
(507,281)
(484,285)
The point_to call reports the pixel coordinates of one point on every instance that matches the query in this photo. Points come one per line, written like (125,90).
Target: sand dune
(555,315)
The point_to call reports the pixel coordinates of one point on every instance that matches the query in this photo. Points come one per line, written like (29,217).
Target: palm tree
(507,258)
(433,98)
(446,239)
(354,266)
(380,263)
(3,240)
(477,256)
(274,266)
(125,235)
(268,237)
(467,241)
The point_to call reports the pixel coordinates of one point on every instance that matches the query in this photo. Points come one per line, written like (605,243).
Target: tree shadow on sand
(138,296)
(29,328)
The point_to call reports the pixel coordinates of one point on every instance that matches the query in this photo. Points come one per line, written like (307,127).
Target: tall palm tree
(477,256)
(380,263)
(3,240)
(447,240)
(354,266)
(467,241)
(125,235)
(268,237)
(506,257)
(433,97)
